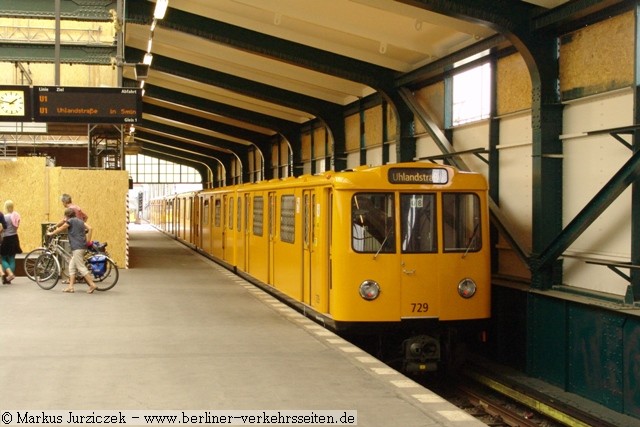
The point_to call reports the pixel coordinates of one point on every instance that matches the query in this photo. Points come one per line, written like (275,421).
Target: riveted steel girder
(308,57)
(209,125)
(187,135)
(513,19)
(329,113)
(69,54)
(315,106)
(379,78)
(79,10)
(281,126)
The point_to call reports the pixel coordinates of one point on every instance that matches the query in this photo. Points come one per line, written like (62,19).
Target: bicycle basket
(98,264)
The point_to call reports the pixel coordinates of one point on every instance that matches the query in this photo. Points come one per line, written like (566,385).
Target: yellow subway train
(400,249)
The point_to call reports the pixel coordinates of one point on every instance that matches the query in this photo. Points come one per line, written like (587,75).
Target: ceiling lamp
(161,8)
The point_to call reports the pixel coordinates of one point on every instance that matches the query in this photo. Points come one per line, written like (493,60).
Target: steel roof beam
(77,10)
(198,139)
(69,54)
(314,106)
(261,44)
(209,125)
(262,120)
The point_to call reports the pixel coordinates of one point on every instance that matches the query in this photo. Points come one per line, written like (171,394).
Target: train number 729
(419,307)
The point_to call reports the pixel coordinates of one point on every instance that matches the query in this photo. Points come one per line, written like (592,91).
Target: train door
(419,255)
(206,223)
(195,227)
(271,213)
(230,231)
(316,244)
(225,227)
(247,230)
(308,218)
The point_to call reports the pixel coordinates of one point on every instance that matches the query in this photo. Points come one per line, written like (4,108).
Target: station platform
(179,332)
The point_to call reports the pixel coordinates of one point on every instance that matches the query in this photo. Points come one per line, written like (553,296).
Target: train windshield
(461,222)
(373,223)
(418,223)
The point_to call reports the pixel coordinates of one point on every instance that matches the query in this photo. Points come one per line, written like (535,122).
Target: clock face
(12,103)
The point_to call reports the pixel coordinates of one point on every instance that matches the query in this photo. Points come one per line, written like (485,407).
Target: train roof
(399,175)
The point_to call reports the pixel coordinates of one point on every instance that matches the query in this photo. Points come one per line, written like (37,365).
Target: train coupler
(421,354)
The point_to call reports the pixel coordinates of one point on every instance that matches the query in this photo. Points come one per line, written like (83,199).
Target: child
(79,232)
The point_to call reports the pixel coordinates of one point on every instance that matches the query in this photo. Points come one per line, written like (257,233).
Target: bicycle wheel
(30,262)
(47,271)
(109,278)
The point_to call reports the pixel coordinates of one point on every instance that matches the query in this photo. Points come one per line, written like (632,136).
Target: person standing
(68,203)
(3,226)
(10,242)
(79,233)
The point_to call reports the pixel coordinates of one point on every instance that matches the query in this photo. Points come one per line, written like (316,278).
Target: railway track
(498,403)
(494,409)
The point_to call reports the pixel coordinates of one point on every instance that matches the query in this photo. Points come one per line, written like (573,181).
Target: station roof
(228,74)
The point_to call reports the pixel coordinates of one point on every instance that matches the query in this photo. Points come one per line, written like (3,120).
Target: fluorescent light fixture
(147,59)
(161,8)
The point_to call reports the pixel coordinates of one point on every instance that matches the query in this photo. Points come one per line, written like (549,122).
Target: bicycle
(48,268)
(31,257)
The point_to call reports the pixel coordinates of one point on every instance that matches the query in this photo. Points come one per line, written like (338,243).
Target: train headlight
(369,290)
(467,288)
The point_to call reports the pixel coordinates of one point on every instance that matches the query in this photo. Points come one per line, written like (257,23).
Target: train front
(410,249)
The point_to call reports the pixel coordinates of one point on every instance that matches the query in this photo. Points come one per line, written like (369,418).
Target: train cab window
(461,222)
(418,223)
(372,223)
(287,218)
(258,215)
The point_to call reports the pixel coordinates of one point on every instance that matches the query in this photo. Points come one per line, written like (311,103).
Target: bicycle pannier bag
(98,265)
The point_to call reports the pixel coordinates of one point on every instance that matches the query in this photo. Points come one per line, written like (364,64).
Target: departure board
(87,104)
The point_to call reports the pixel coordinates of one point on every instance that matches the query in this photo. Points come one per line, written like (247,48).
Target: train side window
(418,223)
(239,220)
(373,223)
(217,212)
(287,218)
(205,212)
(230,213)
(258,215)
(461,222)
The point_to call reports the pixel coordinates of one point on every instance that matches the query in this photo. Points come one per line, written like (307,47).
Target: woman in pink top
(10,242)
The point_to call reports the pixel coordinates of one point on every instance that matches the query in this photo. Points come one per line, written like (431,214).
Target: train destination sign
(418,176)
(87,104)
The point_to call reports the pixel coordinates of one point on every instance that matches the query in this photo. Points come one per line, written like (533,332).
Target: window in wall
(472,95)
(149,170)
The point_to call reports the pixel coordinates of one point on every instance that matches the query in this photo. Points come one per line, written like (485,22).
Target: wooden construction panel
(597,58)
(373,126)
(514,85)
(352,132)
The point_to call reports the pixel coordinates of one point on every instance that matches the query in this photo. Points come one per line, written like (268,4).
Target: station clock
(14,103)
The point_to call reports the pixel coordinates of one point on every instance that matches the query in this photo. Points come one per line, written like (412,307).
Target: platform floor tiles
(180,332)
